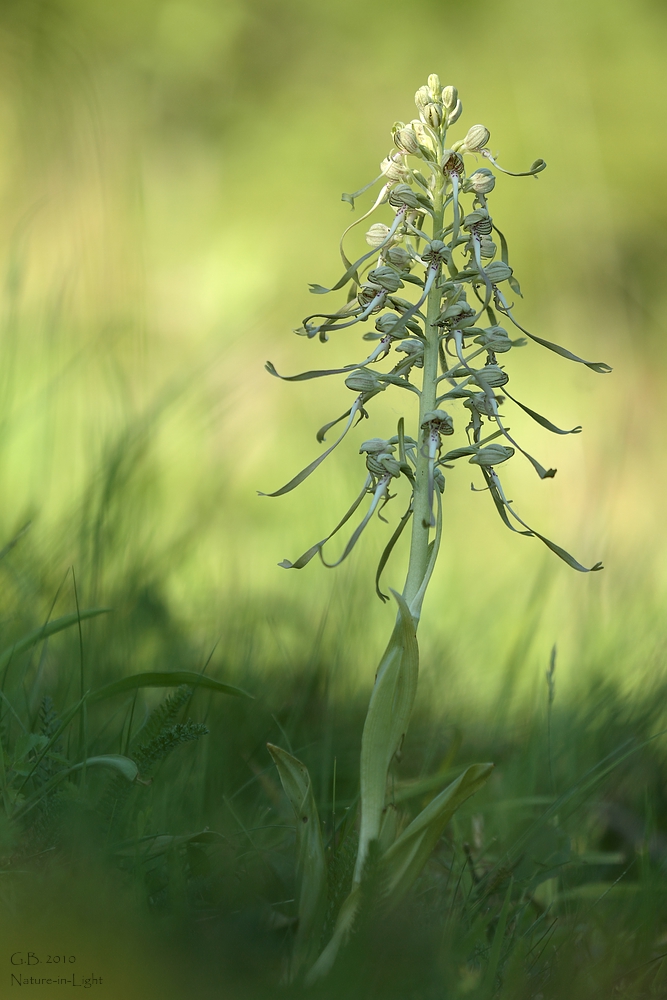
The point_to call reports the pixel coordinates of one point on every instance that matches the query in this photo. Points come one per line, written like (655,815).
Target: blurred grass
(210,912)
(163,166)
(170,175)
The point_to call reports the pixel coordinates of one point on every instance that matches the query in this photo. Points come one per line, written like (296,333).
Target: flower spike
(432,228)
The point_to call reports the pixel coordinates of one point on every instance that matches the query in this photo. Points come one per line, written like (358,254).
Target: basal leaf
(311,866)
(407,856)
(386,723)
(404,860)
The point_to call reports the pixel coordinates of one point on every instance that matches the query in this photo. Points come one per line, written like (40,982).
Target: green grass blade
(408,855)
(50,628)
(311,866)
(569,800)
(166,678)
(415,788)
(405,859)
(386,723)
(489,980)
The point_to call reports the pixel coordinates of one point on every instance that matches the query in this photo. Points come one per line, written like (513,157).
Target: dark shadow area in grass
(550,882)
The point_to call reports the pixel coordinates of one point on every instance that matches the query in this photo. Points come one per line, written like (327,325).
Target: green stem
(419,543)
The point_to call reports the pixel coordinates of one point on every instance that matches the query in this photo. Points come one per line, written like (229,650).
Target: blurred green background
(170,179)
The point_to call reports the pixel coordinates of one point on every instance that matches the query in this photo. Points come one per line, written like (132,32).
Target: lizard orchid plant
(443,346)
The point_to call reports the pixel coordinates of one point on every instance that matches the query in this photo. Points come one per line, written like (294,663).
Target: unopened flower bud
(498,271)
(436,251)
(491,375)
(423,97)
(403,196)
(386,278)
(394,169)
(375,445)
(368,292)
(398,257)
(363,381)
(454,115)
(478,222)
(434,86)
(385,324)
(438,420)
(495,339)
(377,234)
(482,404)
(401,305)
(487,249)
(492,454)
(390,464)
(481,182)
(450,96)
(413,348)
(476,139)
(424,137)
(432,115)
(383,464)
(406,139)
(455,314)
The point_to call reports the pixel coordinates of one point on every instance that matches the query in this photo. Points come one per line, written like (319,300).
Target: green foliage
(340,871)
(150,753)
(393,870)
(585,911)
(48,716)
(116,762)
(163,715)
(154,744)
(34,766)
(407,856)
(48,629)
(311,871)
(561,871)
(386,724)
(164,679)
